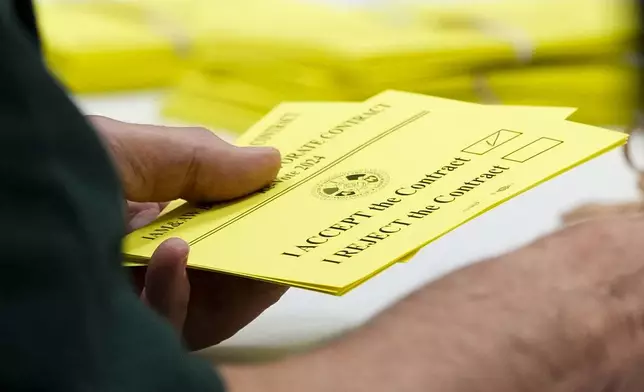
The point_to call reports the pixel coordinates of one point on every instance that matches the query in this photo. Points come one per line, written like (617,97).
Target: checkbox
(492,141)
(533,149)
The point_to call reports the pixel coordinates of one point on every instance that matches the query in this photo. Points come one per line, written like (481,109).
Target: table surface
(302,318)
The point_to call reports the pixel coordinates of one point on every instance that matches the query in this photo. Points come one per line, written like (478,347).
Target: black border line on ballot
(532,154)
(492,141)
(306,179)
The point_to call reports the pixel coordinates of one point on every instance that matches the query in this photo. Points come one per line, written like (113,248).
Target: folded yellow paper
(368,189)
(274,128)
(277,128)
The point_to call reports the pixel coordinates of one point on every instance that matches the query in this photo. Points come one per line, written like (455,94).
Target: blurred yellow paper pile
(255,55)
(229,63)
(112,45)
(365,185)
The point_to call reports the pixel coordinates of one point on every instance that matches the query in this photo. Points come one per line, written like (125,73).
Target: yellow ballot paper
(358,193)
(275,128)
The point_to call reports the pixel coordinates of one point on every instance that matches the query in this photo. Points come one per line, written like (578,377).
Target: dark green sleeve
(69,320)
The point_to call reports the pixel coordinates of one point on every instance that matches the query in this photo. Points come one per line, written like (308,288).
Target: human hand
(565,313)
(592,211)
(159,164)
(204,307)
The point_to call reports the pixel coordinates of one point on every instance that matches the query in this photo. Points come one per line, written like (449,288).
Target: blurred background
(224,64)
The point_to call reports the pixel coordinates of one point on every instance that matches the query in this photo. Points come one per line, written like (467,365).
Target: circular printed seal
(351,184)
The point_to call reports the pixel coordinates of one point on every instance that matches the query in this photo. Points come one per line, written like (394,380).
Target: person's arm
(562,314)
(69,319)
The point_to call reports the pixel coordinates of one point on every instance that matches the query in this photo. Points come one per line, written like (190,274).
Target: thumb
(166,163)
(167,289)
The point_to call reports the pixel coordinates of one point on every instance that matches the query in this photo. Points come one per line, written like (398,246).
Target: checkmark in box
(492,141)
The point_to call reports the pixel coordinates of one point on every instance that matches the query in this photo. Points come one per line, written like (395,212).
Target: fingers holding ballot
(166,163)
(364,185)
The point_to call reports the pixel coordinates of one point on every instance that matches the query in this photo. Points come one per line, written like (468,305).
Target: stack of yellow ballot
(113,45)
(231,62)
(251,56)
(365,185)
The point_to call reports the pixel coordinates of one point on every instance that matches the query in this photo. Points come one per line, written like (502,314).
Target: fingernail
(184,265)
